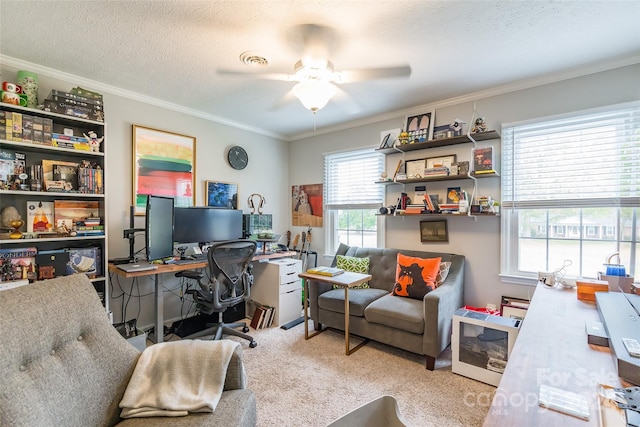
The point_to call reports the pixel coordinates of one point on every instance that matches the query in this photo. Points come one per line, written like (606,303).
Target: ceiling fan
(315,74)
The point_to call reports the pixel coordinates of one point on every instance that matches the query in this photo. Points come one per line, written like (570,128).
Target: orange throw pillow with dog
(415,277)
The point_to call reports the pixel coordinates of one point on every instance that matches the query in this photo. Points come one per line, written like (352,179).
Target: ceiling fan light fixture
(314,94)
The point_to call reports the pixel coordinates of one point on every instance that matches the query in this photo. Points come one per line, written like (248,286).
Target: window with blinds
(350,178)
(352,198)
(587,160)
(571,192)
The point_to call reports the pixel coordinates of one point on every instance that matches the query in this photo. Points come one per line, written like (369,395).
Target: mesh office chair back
(229,265)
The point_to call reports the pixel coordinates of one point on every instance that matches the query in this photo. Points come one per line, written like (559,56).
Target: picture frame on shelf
(434,231)
(442,132)
(446,161)
(454,195)
(163,165)
(414,169)
(483,161)
(420,126)
(388,138)
(223,195)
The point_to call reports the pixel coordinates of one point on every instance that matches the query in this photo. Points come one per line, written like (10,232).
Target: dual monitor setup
(167,225)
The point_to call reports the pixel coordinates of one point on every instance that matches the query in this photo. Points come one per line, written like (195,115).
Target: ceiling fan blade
(351,76)
(256,75)
(282,102)
(347,102)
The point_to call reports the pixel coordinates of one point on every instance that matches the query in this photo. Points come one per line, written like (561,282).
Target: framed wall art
(434,231)
(420,126)
(222,195)
(436,162)
(163,165)
(388,138)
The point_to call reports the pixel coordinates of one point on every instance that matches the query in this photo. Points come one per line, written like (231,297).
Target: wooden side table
(345,280)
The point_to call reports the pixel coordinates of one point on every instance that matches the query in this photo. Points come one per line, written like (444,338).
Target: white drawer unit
(276,283)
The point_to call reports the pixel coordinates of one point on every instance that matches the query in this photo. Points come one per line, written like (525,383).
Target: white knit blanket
(174,378)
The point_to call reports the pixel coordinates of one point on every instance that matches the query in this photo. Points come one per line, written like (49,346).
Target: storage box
(618,283)
(481,344)
(587,288)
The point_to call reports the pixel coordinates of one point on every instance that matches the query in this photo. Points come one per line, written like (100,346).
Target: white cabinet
(276,283)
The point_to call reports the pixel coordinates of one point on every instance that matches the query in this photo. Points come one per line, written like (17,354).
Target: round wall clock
(238,157)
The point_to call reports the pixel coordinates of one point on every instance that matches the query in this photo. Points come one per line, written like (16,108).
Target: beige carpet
(312,383)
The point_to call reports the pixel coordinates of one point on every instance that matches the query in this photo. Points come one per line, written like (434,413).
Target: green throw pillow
(355,265)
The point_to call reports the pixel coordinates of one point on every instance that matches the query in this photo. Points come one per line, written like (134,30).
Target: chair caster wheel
(245,329)
(253,344)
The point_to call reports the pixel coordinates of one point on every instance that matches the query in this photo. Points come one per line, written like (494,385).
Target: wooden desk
(345,280)
(552,349)
(174,268)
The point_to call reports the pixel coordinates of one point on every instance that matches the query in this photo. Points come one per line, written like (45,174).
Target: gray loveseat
(63,364)
(419,326)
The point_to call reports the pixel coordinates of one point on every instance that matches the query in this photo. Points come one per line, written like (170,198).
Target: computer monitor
(159,227)
(204,224)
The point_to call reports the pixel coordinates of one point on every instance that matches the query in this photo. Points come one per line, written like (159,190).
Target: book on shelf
(325,271)
(453,195)
(68,174)
(483,161)
(40,216)
(69,212)
(418,194)
(18,253)
(395,174)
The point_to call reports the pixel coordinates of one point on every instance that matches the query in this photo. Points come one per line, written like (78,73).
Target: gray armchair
(62,363)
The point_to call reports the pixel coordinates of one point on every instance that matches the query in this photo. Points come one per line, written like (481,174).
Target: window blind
(350,178)
(587,160)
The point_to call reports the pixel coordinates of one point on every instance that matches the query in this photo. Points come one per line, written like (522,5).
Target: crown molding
(82,81)
(575,72)
(542,80)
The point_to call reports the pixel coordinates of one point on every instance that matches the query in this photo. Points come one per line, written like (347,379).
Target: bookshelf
(34,190)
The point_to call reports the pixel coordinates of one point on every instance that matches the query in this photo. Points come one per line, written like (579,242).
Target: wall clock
(238,157)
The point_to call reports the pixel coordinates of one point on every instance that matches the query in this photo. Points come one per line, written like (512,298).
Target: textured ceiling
(170,50)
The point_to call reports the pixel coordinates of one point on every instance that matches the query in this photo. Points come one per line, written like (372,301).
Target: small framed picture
(436,162)
(223,195)
(434,231)
(414,168)
(388,138)
(420,126)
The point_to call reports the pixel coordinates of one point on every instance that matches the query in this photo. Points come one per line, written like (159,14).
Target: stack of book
(325,271)
(262,316)
(20,127)
(70,141)
(449,208)
(78,102)
(412,208)
(437,171)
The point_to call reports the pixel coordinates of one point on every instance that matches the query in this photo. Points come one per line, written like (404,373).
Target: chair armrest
(236,378)
(439,307)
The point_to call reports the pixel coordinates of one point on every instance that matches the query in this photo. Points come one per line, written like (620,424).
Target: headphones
(261,200)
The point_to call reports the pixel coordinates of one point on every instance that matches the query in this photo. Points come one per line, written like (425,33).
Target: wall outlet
(491,307)
(548,278)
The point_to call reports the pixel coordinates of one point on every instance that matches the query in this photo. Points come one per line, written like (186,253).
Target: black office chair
(229,284)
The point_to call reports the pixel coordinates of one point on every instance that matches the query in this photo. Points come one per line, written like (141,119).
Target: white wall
(275,165)
(478,240)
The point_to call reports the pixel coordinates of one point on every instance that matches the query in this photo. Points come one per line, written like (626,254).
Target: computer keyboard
(187,261)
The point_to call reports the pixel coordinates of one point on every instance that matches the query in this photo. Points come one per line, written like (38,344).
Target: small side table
(345,280)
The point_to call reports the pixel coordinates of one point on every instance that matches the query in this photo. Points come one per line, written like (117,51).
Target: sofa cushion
(354,264)
(406,314)
(359,299)
(415,277)
(442,273)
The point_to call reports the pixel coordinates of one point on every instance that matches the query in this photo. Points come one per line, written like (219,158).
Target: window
(571,193)
(352,198)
